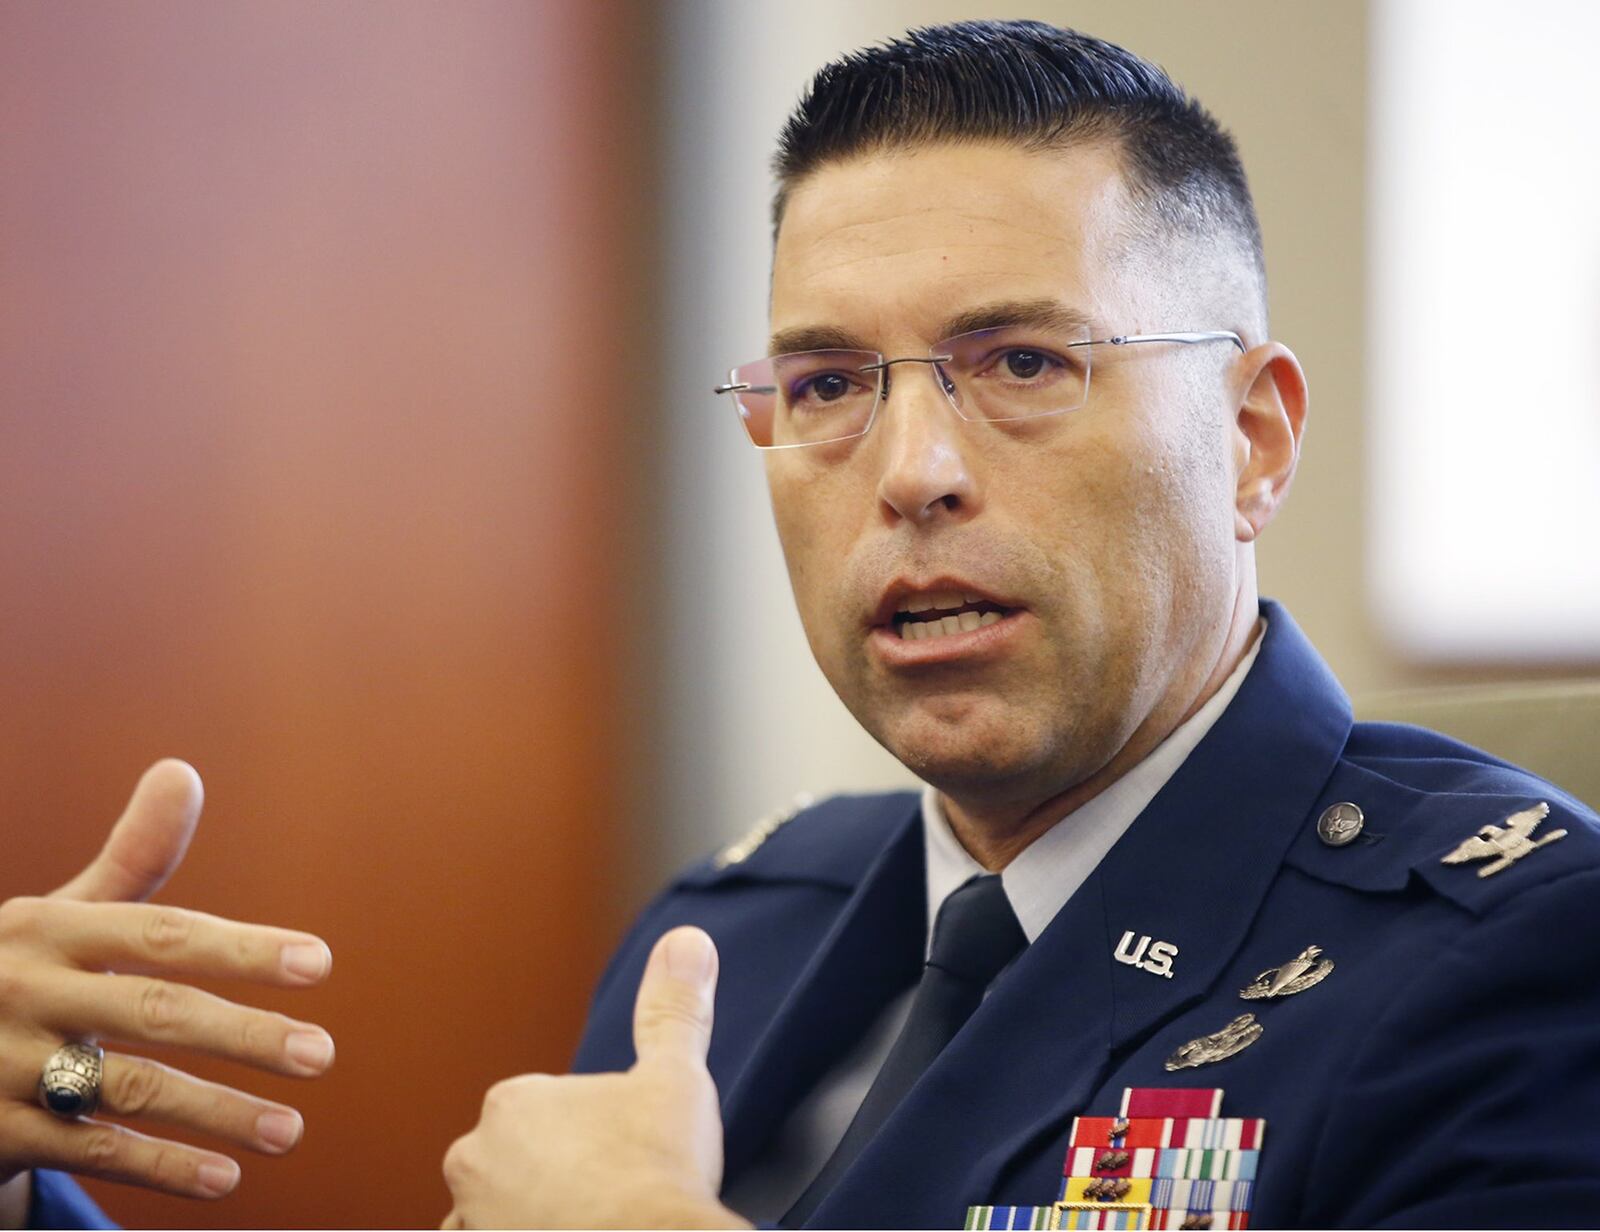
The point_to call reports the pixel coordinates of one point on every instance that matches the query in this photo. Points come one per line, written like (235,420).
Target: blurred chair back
(1552,729)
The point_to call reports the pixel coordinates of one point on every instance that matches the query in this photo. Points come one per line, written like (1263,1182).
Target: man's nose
(926,447)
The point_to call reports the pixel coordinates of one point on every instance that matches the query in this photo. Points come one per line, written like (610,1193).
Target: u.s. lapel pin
(1507,843)
(1218,1046)
(1156,957)
(1305,970)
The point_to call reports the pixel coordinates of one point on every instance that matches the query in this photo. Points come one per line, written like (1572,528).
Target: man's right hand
(57,958)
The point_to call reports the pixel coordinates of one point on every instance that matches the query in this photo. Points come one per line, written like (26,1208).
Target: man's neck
(994,836)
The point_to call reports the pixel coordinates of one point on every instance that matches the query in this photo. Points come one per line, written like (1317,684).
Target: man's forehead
(990,190)
(935,230)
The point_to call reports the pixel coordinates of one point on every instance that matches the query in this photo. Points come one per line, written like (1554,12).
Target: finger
(141,937)
(672,1013)
(148,842)
(452,1222)
(115,1153)
(137,1087)
(138,1009)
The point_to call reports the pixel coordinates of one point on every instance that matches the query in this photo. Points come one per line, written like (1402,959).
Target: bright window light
(1484,520)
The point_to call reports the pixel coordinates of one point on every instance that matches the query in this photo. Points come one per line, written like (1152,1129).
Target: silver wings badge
(1506,844)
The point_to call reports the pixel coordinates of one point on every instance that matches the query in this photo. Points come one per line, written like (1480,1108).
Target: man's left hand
(630,1150)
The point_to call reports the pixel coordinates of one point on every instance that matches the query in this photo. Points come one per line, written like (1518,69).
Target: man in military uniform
(1168,940)
(1022,424)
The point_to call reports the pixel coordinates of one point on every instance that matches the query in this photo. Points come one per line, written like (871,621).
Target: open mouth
(940,615)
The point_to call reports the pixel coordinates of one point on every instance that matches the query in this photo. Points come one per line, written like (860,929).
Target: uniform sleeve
(59,1203)
(1475,1101)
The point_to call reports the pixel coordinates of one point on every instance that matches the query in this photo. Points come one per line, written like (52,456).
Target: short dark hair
(1035,85)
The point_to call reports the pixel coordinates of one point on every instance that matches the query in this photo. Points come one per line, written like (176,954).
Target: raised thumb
(149,840)
(672,1014)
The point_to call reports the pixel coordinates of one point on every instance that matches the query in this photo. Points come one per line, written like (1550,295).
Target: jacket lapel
(1191,871)
(873,952)
(1195,867)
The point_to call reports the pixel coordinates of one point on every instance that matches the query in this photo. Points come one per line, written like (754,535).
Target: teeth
(944,600)
(915,630)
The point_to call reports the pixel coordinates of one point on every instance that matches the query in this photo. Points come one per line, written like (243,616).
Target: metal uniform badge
(1156,958)
(1107,1189)
(1340,824)
(1219,1046)
(1301,972)
(1505,845)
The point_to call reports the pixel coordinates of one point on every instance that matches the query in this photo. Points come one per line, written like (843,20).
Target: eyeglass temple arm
(1213,335)
(744,387)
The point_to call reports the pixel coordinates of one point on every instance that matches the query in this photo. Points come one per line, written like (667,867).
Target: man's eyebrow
(1049,313)
(814,338)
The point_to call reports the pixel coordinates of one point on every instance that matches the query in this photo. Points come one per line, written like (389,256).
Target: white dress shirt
(1038,883)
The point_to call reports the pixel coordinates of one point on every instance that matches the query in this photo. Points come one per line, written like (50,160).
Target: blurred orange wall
(313,472)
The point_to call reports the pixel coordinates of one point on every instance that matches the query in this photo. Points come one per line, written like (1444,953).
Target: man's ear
(1271,417)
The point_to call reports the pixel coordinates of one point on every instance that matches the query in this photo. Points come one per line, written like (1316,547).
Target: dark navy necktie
(974,936)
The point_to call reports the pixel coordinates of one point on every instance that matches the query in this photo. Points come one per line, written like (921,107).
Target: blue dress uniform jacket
(59,1203)
(1446,1073)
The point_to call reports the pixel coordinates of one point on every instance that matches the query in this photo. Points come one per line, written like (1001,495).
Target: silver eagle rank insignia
(1505,844)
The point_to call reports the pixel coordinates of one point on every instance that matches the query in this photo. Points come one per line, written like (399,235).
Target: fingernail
(279,1130)
(218,1177)
(312,1050)
(689,955)
(307,960)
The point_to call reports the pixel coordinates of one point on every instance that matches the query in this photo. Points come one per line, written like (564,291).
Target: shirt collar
(1049,871)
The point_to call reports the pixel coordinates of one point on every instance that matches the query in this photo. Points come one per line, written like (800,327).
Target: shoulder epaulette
(1493,834)
(1497,852)
(747,845)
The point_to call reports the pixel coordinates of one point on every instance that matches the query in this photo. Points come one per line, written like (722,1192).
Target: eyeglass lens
(814,397)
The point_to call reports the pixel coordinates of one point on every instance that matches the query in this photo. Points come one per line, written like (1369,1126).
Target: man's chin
(977,756)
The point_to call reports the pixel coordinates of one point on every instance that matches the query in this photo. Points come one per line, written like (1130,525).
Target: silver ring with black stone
(69,1085)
